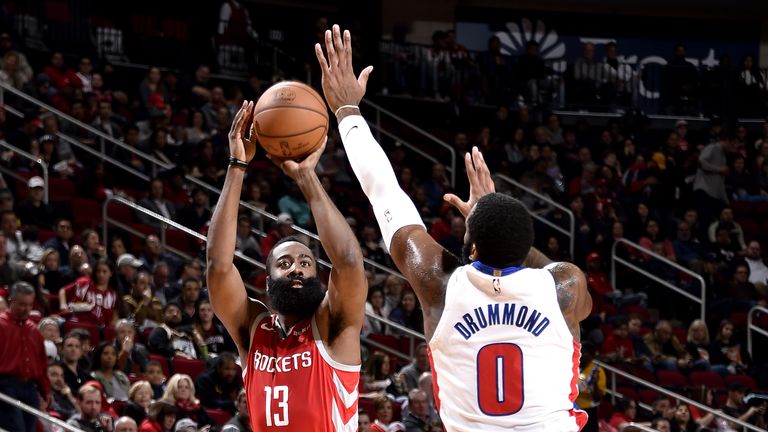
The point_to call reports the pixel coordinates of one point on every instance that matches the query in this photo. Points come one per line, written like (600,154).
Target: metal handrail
(571,234)
(296,228)
(384,348)
(412,147)
(399,327)
(381,110)
(615,258)
(103,156)
(165,223)
(5,87)
(33,158)
(752,327)
(674,395)
(36,412)
(637,426)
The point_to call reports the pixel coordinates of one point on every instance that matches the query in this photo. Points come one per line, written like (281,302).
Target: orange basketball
(290,120)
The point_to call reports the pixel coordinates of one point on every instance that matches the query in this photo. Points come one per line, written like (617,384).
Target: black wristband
(238,163)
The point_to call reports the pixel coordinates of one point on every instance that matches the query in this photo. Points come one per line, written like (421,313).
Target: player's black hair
(279,242)
(501,229)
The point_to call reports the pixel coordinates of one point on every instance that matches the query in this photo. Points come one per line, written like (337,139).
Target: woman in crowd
(384,414)
(378,376)
(161,417)
(216,339)
(408,313)
(700,349)
(727,351)
(115,383)
(181,393)
(92,300)
(139,401)
(376,305)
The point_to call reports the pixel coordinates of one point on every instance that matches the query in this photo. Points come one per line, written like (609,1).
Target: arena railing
(615,258)
(751,326)
(102,137)
(379,130)
(412,335)
(43,417)
(157,165)
(31,157)
(717,413)
(570,233)
(165,223)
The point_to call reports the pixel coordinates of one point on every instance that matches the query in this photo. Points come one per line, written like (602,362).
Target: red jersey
(84,290)
(293,384)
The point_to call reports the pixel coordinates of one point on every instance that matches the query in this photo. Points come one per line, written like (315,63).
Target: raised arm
(228,297)
(347,286)
(414,252)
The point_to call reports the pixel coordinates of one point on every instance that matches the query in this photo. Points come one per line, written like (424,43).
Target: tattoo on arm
(565,285)
(536,259)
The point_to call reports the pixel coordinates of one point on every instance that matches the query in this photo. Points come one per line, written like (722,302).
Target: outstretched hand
(294,169)
(480,183)
(340,86)
(239,146)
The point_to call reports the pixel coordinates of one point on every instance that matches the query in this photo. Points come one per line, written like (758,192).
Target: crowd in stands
(600,79)
(130,336)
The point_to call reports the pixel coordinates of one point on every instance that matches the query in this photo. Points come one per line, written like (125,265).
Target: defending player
(302,363)
(503,331)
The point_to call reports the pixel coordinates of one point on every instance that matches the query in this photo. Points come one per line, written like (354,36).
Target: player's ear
(473,252)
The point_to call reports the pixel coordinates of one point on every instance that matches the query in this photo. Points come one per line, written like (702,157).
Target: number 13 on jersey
(278,394)
(500,379)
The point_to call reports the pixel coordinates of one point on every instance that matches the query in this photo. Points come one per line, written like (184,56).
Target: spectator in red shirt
(624,413)
(24,365)
(64,79)
(618,346)
(92,300)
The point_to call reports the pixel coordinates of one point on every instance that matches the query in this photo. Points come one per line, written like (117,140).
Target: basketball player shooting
(503,324)
(302,362)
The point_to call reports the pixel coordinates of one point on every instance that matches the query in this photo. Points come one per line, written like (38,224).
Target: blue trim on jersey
(493,271)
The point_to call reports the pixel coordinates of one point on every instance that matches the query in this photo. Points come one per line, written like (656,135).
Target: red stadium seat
(386,340)
(742,209)
(745,380)
(762,210)
(606,409)
(643,313)
(709,379)
(647,396)
(668,378)
(86,212)
(643,374)
(193,368)
(179,240)
(120,212)
(60,189)
(219,416)
(366,404)
(681,334)
(627,392)
(109,334)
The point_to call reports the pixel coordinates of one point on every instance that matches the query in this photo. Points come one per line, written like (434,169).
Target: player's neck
(285,322)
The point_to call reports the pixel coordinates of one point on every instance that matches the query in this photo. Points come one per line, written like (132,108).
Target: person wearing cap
(127,268)
(283,228)
(186,425)
(33,210)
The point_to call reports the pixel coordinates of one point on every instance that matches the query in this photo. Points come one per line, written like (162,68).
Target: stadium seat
(193,368)
(750,228)
(120,212)
(647,396)
(179,240)
(109,333)
(674,379)
(119,406)
(708,379)
(60,189)
(627,392)
(86,213)
(643,313)
(605,410)
(71,324)
(644,374)
(366,404)
(745,380)
(681,334)
(219,416)
(762,210)
(163,363)
(742,209)
(386,340)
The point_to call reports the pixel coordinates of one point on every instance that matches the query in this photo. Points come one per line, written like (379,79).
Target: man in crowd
(23,369)
(90,418)
(410,374)
(71,351)
(64,401)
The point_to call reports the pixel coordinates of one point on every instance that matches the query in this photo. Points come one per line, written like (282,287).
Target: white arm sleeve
(393,207)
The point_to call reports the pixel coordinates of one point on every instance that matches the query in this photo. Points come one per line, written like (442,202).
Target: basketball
(290,120)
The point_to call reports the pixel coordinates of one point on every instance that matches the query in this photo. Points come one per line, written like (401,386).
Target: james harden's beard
(300,302)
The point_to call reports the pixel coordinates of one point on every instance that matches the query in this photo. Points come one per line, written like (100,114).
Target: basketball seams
(324,114)
(307,89)
(293,134)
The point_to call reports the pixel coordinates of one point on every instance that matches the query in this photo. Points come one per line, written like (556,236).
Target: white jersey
(502,355)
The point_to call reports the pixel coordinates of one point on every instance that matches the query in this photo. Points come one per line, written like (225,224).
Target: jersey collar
(493,271)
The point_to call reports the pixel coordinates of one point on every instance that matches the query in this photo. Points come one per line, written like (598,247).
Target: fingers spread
(321,57)
(333,59)
(338,46)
